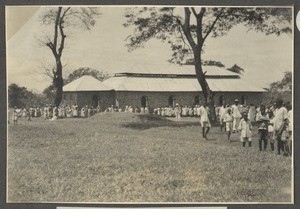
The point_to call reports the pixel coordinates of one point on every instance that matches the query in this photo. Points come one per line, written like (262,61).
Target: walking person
(204,120)
(228,119)
(222,112)
(236,112)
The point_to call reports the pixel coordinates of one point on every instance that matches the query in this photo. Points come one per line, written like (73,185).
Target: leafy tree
(284,85)
(236,69)
(280,89)
(49,93)
(186,31)
(64,19)
(21,97)
(100,75)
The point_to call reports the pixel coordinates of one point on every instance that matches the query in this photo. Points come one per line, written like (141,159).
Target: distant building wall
(160,99)
(154,99)
(69,98)
(103,99)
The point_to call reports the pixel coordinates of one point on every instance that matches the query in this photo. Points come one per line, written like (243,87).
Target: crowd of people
(274,122)
(51,112)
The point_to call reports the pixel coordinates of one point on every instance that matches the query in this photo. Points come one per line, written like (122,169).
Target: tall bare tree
(64,19)
(186,29)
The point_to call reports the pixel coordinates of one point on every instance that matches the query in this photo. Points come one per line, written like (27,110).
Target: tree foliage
(280,89)
(64,19)
(98,74)
(21,97)
(285,84)
(169,25)
(205,63)
(236,69)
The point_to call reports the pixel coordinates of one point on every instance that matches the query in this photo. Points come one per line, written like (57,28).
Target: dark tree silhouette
(63,18)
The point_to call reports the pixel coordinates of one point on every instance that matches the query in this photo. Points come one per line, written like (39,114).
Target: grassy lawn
(123,157)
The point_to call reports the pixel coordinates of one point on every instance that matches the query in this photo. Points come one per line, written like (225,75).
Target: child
(245,128)
(228,119)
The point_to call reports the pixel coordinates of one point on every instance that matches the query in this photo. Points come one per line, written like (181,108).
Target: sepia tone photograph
(150,104)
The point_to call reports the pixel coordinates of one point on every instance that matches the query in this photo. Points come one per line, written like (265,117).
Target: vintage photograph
(150,104)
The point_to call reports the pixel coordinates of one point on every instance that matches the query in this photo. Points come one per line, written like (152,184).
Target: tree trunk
(58,82)
(207,93)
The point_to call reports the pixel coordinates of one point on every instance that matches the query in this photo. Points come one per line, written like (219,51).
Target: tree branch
(194,12)
(63,36)
(213,25)
(56,26)
(186,28)
(200,39)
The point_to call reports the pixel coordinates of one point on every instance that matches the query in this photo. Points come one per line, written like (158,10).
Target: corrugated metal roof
(176,70)
(178,84)
(86,83)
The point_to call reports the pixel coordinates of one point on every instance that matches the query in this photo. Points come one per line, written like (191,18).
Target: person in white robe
(236,112)
(204,120)
(222,112)
(177,110)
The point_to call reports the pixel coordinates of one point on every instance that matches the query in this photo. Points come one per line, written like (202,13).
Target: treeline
(22,97)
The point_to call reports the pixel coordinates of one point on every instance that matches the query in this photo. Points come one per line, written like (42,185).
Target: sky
(264,58)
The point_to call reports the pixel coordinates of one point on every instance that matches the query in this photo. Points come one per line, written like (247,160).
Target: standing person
(236,112)
(177,112)
(245,128)
(263,119)
(280,121)
(271,129)
(217,111)
(263,133)
(290,127)
(204,120)
(28,115)
(184,111)
(222,112)
(15,116)
(228,119)
(252,113)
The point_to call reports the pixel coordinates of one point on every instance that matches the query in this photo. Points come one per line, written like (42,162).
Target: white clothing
(245,127)
(236,111)
(290,120)
(204,119)
(280,115)
(228,118)
(222,112)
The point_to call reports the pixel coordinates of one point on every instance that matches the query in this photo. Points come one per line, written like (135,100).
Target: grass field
(123,157)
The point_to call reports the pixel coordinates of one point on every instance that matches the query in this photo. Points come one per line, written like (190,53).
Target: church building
(159,86)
